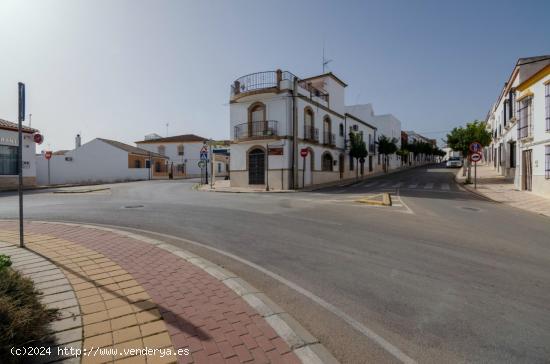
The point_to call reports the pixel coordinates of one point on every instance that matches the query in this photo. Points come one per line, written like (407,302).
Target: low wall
(11,182)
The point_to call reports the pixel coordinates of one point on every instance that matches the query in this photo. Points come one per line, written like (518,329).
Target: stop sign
(48,154)
(303,152)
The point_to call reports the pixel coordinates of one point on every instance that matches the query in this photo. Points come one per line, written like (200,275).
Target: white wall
(11,138)
(94,162)
(190,157)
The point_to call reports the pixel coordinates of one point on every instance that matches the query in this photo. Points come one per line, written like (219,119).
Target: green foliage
(4,261)
(387,146)
(459,139)
(358,148)
(23,318)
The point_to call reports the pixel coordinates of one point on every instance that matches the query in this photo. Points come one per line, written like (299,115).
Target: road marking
(383,184)
(397,184)
(445,187)
(429,186)
(386,345)
(413,185)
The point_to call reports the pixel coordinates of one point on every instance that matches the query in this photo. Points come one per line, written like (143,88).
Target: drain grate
(470,208)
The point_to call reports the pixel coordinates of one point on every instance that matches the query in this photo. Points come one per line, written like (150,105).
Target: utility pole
(21,117)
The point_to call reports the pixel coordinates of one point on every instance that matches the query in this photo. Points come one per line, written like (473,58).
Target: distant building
(100,161)
(182,150)
(519,122)
(9,142)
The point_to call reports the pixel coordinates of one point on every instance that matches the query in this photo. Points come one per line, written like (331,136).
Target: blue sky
(122,69)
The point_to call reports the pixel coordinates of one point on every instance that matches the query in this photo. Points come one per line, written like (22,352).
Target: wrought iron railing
(256,130)
(260,80)
(329,138)
(311,133)
(525,129)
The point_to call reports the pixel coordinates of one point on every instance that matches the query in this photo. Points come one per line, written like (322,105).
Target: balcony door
(256,167)
(256,120)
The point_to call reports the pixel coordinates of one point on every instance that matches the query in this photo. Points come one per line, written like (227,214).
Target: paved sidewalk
(500,189)
(132,292)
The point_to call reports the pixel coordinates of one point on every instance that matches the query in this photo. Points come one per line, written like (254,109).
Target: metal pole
(211,164)
(49,176)
(475,175)
(267,169)
(304,173)
(21,117)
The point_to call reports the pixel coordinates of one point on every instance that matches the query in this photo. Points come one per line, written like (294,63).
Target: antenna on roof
(167,129)
(325,61)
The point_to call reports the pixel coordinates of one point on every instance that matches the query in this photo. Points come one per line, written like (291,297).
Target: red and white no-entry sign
(48,154)
(475,157)
(303,152)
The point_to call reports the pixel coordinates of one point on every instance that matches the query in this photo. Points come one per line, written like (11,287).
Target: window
(511,104)
(327,162)
(328,137)
(161,149)
(158,167)
(8,160)
(524,116)
(504,113)
(513,155)
(137,163)
(219,168)
(341,130)
(309,131)
(547,104)
(180,149)
(547,161)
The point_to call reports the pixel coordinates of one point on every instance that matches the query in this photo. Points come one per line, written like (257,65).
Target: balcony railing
(329,138)
(311,134)
(256,130)
(313,91)
(525,130)
(259,81)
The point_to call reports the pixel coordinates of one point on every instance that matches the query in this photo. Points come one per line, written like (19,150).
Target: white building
(277,115)
(9,142)
(387,125)
(100,161)
(183,151)
(519,122)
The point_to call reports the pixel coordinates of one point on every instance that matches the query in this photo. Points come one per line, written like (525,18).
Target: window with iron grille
(547,161)
(547,98)
(180,149)
(524,116)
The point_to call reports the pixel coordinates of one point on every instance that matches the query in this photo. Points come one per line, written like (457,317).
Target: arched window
(161,149)
(327,162)
(341,130)
(327,135)
(309,126)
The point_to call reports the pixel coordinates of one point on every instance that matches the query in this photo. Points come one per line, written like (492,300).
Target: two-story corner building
(518,122)
(9,142)
(183,151)
(386,124)
(276,116)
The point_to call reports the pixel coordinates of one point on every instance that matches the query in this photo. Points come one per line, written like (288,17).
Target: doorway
(527,170)
(256,167)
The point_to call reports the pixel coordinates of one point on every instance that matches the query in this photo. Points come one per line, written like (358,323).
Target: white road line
(445,187)
(383,184)
(386,345)
(429,186)
(397,184)
(414,185)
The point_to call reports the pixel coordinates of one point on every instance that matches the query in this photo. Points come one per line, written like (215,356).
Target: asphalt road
(443,275)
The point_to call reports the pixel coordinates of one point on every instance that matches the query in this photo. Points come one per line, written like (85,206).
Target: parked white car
(454,162)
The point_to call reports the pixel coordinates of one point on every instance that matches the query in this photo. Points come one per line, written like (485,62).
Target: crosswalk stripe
(413,185)
(445,187)
(428,186)
(383,184)
(398,184)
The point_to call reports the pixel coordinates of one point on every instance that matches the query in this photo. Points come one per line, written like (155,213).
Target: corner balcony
(329,139)
(266,129)
(268,81)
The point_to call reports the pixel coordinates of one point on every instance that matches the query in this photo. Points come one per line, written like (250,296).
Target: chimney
(77,141)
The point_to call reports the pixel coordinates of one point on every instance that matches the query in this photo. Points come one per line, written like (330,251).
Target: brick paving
(133,294)
(498,188)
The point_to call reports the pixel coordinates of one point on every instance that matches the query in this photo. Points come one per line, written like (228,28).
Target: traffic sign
(204,156)
(202,164)
(48,154)
(475,147)
(204,149)
(475,157)
(303,152)
(38,138)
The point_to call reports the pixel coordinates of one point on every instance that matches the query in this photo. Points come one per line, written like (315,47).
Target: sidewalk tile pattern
(200,312)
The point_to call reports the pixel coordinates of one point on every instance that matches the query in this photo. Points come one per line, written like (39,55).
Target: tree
(459,139)
(386,147)
(358,148)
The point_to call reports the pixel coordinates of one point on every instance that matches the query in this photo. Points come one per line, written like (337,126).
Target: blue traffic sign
(475,147)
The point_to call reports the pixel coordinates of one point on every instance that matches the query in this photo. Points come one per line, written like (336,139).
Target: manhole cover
(133,206)
(470,208)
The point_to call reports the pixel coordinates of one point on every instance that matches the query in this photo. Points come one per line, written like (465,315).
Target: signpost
(21,117)
(204,159)
(475,157)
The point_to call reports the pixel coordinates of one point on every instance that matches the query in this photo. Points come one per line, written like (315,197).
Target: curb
(468,188)
(301,342)
(83,191)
